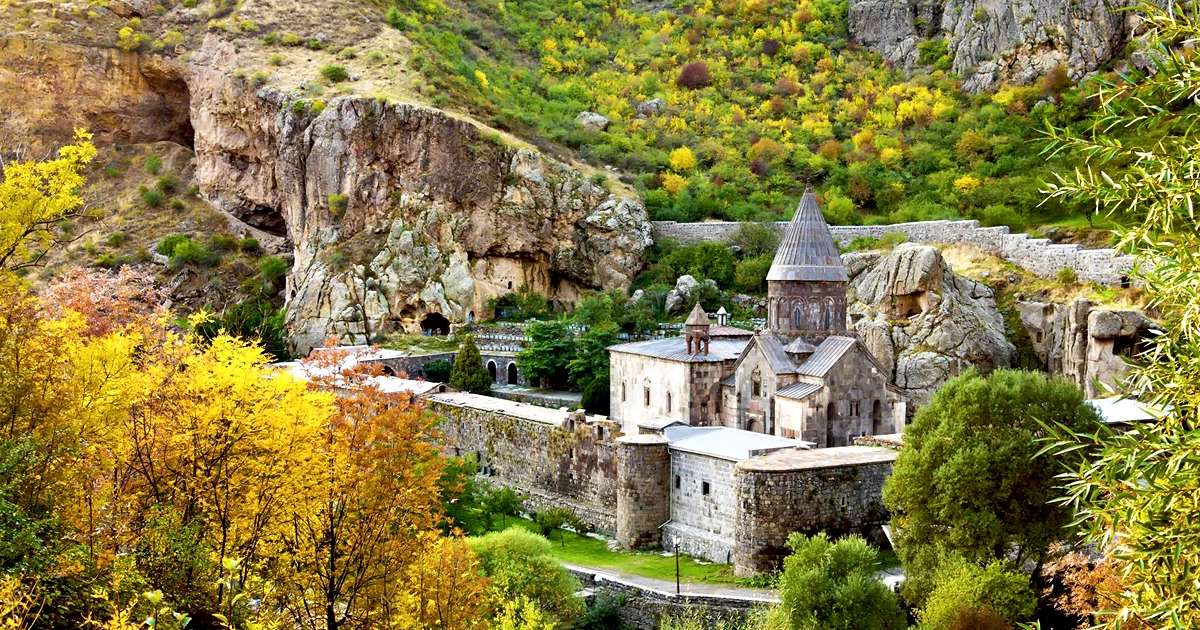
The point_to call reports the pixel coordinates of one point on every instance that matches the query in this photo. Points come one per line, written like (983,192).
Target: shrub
(152,198)
(107,260)
(892,239)
(1066,276)
(223,242)
(275,60)
(154,165)
(337,205)
(694,76)
(250,246)
(166,247)
(827,584)
(290,39)
(247,26)
(519,564)
(963,589)
(192,191)
(438,370)
(189,252)
(167,184)
(116,239)
(270,39)
(273,268)
(258,79)
(176,204)
(596,397)
(997,215)
(395,18)
(333,73)
(751,274)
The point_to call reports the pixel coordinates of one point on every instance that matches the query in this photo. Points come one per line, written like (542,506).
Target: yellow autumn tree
(35,197)
(674,183)
(682,160)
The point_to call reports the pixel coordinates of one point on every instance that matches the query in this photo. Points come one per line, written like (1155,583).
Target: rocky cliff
(924,321)
(994,41)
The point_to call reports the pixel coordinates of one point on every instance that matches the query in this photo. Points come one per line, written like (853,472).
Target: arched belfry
(696,330)
(806,286)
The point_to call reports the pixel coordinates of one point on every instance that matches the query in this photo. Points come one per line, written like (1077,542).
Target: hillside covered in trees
(756,100)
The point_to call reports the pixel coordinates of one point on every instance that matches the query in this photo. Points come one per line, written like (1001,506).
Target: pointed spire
(697,317)
(806,251)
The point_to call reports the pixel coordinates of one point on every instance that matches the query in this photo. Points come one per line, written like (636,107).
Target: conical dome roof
(807,251)
(697,317)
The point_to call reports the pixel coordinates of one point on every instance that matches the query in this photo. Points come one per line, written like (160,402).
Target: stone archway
(492,370)
(876,417)
(513,376)
(830,419)
(435,324)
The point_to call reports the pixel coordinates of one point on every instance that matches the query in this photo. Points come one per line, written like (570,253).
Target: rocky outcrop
(922,320)
(994,41)
(1087,345)
(397,212)
(122,97)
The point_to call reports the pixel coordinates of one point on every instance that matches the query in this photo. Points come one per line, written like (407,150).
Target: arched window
(668,402)
(828,314)
(876,418)
(622,392)
(513,376)
(756,384)
(492,370)
(646,395)
(798,316)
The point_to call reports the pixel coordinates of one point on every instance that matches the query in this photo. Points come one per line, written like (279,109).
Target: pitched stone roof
(697,317)
(807,252)
(777,357)
(826,356)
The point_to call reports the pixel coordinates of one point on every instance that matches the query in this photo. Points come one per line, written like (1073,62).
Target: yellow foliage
(522,614)
(682,159)
(673,183)
(966,183)
(483,80)
(35,196)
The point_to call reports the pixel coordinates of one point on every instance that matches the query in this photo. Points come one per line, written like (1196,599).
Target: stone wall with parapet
(557,458)
(1038,255)
(644,608)
(835,490)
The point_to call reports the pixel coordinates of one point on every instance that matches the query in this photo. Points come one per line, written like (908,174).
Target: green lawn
(591,552)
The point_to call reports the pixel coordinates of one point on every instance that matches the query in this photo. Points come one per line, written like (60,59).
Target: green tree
(520,565)
(503,502)
(590,362)
(756,239)
(963,589)
(469,374)
(438,370)
(829,585)
(1138,498)
(548,355)
(971,481)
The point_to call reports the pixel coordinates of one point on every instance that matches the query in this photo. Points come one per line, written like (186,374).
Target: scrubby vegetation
(759,98)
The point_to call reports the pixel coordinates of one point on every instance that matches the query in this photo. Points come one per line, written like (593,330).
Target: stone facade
(811,310)
(703,507)
(644,390)
(643,488)
(838,491)
(1038,255)
(559,459)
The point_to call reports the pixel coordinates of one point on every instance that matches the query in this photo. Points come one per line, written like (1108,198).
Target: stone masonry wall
(644,608)
(643,482)
(557,466)
(1038,255)
(702,524)
(840,498)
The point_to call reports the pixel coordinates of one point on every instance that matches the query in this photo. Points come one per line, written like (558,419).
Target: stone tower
(806,286)
(643,490)
(695,330)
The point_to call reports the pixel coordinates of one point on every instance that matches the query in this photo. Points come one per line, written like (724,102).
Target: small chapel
(806,376)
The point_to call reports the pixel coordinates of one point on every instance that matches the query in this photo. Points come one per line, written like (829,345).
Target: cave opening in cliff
(435,324)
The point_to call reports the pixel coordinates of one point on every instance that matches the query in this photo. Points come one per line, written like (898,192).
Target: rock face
(994,41)
(922,320)
(119,96)
(397,212)
(1086,345)
(592,121)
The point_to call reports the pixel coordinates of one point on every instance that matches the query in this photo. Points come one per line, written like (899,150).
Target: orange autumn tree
(373,505)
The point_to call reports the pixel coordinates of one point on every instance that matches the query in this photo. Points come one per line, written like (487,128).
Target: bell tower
(806,285)
(695,330)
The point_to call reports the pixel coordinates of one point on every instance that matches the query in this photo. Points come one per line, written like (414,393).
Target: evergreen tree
(551,348)
(469,374)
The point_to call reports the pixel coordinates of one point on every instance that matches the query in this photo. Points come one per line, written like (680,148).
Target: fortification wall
(569,464)
(1038,255)
(644,608)
(835,490)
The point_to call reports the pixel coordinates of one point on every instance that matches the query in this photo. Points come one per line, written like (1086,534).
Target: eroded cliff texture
(995,41)
(926,322)
(50,87)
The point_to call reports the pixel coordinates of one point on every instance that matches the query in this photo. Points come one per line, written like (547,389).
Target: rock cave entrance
(435,324)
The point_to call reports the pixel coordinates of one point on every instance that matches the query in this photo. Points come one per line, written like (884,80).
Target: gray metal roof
(807,252)
(727,443)
(799,391)
(729,331)
(800,346)
(675,349)
(776,356)
(826,356)
(729,381)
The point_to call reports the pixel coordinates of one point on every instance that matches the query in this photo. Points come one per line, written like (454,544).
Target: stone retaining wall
(644,608)
(571,466)
(1038,255)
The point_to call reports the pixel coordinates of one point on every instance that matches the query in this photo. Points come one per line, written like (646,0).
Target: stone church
(805,377)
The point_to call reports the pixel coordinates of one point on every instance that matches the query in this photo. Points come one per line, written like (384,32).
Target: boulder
(592,121)
(923,321)
(651,108)
(681,295)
